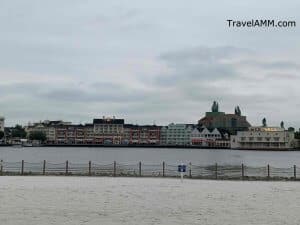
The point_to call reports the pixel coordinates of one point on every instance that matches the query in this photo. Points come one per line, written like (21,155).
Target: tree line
(19,132)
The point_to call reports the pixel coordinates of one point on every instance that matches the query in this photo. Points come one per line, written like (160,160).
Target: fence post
(164,168)
(140,169)
(1,167)
(90,168)
(67,167)
(295,171)
(190,170)
(22,169)
(216,171)
(115,168)
(268,171)
(243,171)
(44,167)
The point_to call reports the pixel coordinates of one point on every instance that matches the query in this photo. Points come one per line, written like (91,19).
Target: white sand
(103,200)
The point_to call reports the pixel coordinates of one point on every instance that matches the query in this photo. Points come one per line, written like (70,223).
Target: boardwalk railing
(225,172)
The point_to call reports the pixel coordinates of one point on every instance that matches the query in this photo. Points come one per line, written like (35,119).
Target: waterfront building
(79,134)
(2,119)
(69,134)
(101,131)
(60,134)
(141,134)
(74,134)
(176,134)
(227,122)
(263,137)
(88,133)
(108,130)
(47,127)
(209,138)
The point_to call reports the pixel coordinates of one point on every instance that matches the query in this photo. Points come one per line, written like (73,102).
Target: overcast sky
(147,61)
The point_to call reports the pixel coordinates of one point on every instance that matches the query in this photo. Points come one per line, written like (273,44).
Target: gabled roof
(215,131)
(195,131)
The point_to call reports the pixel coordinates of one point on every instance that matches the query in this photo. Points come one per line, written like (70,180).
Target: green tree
(38,135)
(1,134)
(291,129)
(18,131)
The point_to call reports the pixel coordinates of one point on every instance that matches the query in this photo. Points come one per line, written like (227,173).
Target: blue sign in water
(181,168)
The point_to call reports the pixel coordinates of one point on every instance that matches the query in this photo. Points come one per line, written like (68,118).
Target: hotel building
(108,130)
(141,134)
(49,128)
(263,138)
(228,122)
(176,134)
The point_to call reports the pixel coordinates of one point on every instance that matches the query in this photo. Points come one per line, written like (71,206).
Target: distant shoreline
(148,146)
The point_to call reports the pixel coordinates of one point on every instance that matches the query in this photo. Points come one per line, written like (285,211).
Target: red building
(69,134)
(135,134)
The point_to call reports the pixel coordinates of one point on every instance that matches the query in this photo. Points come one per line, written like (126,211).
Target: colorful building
(227,122)
(204,137)
(47,127)
(108,130)
(141,134)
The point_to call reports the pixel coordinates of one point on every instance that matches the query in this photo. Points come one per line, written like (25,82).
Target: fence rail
(225,172)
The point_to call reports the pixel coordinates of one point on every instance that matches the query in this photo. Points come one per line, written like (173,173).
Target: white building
(108,130)
(176,134)
(263,138)
(47,127)
(2,124)
(209,138)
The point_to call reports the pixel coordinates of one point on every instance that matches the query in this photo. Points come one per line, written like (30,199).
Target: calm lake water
(150,156)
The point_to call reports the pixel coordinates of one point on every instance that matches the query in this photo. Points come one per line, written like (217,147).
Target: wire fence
(225,172)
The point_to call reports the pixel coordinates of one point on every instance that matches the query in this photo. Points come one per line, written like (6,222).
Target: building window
(233,122)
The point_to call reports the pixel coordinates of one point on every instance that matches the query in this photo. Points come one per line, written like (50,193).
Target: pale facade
(108,130)
(49,131)
(176,134)
(205,133)
(47,127)
(263,138)
(209,138)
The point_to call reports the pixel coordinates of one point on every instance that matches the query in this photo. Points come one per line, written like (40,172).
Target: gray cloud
(104,95)
(204,54)
(274,65)
(143,62)
(200,64)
